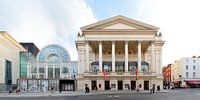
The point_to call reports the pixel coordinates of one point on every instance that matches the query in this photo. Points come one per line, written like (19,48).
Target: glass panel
(23,64)
(34,70)
(65,70)
(41,70)
(41,76)
(53,53)
(50,72)
(57,72)
(8,74)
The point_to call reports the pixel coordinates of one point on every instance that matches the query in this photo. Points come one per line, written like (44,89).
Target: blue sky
(58,21)
(107,8)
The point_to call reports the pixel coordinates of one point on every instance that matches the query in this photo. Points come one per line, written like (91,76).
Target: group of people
(153,88)
(18,90)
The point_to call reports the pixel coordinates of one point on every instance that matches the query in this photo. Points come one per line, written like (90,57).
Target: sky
(58,21)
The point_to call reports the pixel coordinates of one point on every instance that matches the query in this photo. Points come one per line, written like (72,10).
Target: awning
(196,82)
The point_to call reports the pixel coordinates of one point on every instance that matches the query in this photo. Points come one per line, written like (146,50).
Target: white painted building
(9,61)
(186,71)
(119,45)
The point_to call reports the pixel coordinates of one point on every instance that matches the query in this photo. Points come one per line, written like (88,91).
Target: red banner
(104,74)
(136,72)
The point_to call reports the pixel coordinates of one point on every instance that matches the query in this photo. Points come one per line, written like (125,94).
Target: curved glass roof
(53,53)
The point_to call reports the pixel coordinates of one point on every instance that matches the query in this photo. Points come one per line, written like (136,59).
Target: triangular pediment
(119,26)
(119,22)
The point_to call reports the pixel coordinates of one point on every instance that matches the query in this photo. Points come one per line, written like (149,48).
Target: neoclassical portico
(126,55)
(119,45)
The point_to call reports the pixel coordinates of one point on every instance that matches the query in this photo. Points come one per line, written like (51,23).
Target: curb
(73,93)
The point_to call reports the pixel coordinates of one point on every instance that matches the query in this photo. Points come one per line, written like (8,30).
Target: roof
(120,18)
(31,47)
(12,40)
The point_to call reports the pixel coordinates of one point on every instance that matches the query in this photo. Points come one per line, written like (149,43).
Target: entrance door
(94,85)
(146,85)
(67,85)
(133,85)
(120,85)
(107,85)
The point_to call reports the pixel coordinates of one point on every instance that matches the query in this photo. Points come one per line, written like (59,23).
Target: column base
(126,73)
(113,73)
(100,73)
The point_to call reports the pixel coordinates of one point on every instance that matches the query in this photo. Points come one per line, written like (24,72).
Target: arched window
(53,53)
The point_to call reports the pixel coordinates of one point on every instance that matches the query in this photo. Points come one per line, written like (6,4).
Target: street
(177,94)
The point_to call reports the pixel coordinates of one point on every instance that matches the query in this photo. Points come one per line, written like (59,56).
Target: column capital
(100,41)
(126,41)
(113,41)
(139,41)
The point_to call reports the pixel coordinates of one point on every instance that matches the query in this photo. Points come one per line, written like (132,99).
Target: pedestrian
(10,91)
(52,91)
(158,88)
(138,88)
(18,90)
(153,89)
(86,89)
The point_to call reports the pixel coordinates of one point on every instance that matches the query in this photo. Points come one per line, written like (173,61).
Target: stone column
(160,65)
(126,56)
(38,72)
(61,67)
(53,71)
(152,57)
(46,71)
(87,57)
(113,56)
(100,56)
(139,56)
(29,70)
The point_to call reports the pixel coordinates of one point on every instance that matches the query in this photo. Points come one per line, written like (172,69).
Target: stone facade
(10,50)
(119,45)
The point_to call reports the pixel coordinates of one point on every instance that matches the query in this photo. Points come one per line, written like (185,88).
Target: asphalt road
(180,94)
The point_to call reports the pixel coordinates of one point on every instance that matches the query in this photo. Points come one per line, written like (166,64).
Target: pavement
(73,93)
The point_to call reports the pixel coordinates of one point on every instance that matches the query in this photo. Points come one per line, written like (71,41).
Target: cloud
(46,21)
(179,21)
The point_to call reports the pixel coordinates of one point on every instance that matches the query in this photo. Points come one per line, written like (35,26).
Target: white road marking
(115,96)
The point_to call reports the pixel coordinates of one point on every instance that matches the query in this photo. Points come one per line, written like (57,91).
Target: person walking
(52,90)
(138,88)
(158,88)
(87,90)
(153,89)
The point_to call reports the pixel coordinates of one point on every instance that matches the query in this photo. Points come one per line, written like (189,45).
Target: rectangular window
(186,67)
(8,74)
(194,74)
(41,70)
(194,67)
(187,74)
